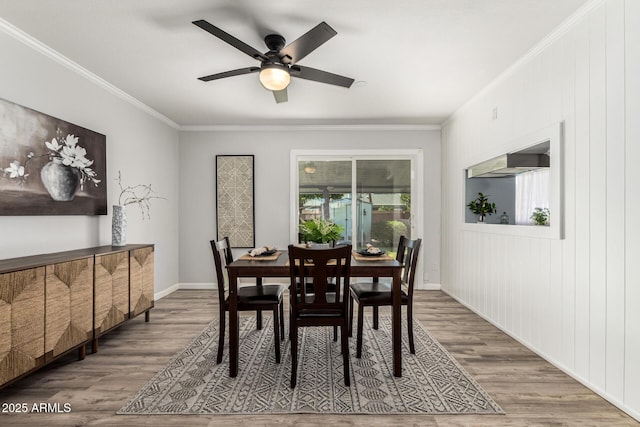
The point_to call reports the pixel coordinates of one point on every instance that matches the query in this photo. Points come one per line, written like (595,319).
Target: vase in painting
(119,226)
(60,181)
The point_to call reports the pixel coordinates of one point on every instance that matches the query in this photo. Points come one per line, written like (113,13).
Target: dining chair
(327,304)
(376,294)
(250,298)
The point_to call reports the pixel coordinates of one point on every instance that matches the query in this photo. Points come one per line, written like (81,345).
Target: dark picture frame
(235,195)
(49,166)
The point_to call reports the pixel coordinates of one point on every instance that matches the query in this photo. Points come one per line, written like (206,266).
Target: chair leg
(281,320)
(351,301)
(375,317)
(412,347)
(221,327)
(335,334)
(345,354)
(293,334)
(359,333)
(276,332)
(259,319)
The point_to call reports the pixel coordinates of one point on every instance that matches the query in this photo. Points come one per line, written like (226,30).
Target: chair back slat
(325,272)
(408,251)
(222,257)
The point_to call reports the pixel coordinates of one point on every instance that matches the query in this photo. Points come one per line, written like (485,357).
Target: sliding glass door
(369,194)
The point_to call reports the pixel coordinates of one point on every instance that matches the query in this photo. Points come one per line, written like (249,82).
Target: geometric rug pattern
(432,381)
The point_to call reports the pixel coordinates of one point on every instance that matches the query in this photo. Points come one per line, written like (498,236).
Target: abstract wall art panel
(49,166)
(234,200)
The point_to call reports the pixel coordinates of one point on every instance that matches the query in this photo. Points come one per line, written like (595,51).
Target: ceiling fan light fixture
(274,77)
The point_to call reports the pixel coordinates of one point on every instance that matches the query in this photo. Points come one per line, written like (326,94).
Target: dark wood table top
(280,267)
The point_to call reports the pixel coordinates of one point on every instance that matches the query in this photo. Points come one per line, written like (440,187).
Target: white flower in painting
(53,145)
(71,140)
(15,170)
(74,156)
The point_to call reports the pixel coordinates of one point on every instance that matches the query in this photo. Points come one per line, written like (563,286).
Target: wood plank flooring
(531,391)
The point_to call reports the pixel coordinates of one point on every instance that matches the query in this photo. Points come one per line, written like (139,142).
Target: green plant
(540,216)
(388,233)
(406,199)
(481,206)
(320,231)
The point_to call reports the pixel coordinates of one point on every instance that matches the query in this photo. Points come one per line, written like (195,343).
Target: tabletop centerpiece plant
(482,206)
(540,216)
(321,231)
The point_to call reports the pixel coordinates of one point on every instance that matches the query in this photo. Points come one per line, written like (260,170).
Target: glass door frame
(417,181)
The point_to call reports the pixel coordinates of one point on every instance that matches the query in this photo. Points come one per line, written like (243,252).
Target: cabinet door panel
(111,291)
(141,274)
(69,305)
(21,322)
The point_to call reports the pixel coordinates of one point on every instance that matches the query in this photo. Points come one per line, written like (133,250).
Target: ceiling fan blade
(280,95)
(226,37)
(309,73)
(231,73)
(307,43)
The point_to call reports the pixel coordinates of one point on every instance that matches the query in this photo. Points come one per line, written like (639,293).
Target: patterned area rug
(432,381)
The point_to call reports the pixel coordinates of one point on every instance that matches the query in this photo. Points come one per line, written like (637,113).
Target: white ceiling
(418,60)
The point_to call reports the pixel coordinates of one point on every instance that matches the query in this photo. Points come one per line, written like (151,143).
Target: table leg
(233,323)
(259,312)
(397,323)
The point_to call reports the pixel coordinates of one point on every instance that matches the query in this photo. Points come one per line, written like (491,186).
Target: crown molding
(56,56)
(561,30)
(310,127)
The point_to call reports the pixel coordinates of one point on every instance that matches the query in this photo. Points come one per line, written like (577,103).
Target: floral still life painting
(49,166)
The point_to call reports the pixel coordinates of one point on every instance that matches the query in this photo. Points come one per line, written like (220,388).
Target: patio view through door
(369,195)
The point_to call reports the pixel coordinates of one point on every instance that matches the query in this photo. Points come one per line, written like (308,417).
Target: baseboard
(429,286)
(205,285)
(163,293)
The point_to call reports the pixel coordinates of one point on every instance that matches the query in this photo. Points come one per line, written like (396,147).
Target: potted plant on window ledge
(540,216)
(320,231)
(481,206)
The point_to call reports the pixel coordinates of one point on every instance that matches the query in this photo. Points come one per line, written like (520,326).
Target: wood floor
(531,391)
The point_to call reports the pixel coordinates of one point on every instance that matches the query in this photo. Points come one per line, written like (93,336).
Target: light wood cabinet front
(111,291)
(21,322)
(141,280)
(69,305)
(54,303)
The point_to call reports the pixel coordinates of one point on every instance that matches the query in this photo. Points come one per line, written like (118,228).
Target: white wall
(144,148)
(272,149)
(575,301)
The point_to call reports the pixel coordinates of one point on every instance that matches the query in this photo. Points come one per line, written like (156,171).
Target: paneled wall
(573,300)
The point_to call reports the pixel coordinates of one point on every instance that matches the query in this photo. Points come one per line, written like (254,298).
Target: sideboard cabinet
(55,303)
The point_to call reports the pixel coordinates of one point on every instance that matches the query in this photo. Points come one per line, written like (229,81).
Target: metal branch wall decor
(49,166)
(235,212)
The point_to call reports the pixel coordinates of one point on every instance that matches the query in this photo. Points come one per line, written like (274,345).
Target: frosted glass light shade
(274,77)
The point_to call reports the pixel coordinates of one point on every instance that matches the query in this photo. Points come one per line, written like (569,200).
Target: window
(532,191)
(526,177)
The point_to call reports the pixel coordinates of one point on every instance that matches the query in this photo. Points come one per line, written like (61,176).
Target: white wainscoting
(574,301)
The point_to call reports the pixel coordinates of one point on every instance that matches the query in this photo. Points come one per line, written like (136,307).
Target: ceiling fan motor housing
(275,42)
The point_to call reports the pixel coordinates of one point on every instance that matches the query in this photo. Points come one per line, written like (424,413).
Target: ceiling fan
(279,64)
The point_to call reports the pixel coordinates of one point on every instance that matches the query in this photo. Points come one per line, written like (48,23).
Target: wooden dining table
(273,267)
